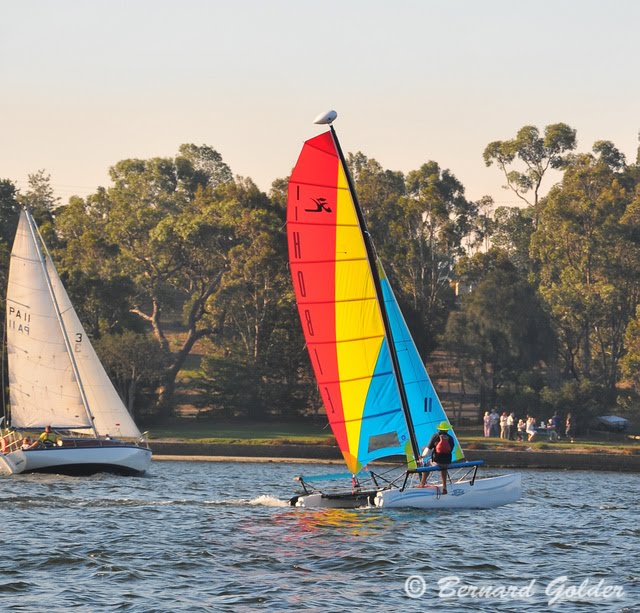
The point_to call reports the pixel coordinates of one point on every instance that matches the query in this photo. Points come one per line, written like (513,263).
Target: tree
(502,329)
(40,197)
(435,217)
(9,213)
(9,208)
(512,232)
(134,363)
(587,250)
(537,153)
(161,228)
(630,362)
(87,262)
(254,305)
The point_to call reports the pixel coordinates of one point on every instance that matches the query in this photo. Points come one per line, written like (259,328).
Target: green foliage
(630,362)
(40,198)
(585,399)
(179,248)
(134,363)
(418,224)
(536,153)
(9,214)
(502,329)
(588,267)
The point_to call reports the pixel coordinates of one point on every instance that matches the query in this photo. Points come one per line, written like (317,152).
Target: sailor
(440,448)
(48,437)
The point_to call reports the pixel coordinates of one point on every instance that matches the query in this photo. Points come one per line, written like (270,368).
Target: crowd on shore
(506,426)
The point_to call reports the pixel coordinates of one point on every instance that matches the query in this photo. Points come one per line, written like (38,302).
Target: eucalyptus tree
(587,250)
(502,332)
(40,197)
(536,153)
(134,362)
(435,217)
(9,213)
(630,362)
(512,230)
(379,194)
(254,306)
(159,226)
(87,260)
(419,223)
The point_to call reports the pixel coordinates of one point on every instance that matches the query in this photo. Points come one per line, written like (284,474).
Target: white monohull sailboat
(56,378)
(377,394)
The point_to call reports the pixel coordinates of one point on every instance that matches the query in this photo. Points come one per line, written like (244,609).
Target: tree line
(178,253)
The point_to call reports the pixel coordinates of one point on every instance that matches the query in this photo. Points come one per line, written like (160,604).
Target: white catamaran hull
(127,459)
(485,493)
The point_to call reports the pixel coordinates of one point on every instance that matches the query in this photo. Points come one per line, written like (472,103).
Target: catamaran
(377,394)
(56,378)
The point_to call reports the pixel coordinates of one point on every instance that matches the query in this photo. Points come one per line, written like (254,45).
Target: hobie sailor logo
(321,205)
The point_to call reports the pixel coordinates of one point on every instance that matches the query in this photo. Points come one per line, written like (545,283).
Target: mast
(395,364)
(35,234)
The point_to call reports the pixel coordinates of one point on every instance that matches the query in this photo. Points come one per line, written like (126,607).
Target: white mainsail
(44,388)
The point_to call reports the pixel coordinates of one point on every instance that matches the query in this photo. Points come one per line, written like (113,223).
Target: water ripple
(194,536)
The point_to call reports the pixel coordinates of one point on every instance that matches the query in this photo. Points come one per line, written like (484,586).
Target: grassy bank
(253,433)
(317,432)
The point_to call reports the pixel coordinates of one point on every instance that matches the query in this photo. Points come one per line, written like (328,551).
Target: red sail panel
(311,229)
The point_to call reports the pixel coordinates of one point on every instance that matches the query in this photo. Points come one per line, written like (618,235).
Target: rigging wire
(2,360)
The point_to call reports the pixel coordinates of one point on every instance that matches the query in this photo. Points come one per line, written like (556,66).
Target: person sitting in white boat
(48,438)
(27,444)
(440,447)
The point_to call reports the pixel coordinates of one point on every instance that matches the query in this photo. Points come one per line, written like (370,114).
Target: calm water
(204,536)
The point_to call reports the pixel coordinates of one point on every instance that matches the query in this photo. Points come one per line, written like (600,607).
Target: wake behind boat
(377,394)
(56,378)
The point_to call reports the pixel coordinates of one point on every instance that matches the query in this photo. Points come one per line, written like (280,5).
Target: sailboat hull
(346,500)
(122,459)
(485,493)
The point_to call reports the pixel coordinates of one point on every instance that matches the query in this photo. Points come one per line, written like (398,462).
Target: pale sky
(86,83)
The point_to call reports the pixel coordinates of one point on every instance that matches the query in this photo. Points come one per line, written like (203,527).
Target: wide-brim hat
(444,425)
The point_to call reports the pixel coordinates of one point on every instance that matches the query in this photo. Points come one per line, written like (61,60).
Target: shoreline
(326,454)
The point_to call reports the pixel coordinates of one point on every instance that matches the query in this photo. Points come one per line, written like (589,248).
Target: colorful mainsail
(342,318)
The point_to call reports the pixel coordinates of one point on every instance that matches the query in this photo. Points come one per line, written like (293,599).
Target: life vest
(443,446)
(3,444)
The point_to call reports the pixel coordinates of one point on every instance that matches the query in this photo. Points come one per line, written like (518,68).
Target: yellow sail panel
(357,312)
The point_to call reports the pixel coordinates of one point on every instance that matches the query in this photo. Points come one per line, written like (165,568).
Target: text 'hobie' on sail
(377,394)
(56,378)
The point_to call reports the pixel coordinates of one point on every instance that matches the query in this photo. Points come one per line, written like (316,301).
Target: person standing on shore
(503,424)
(486,422)
(494,423)
(511,427)
(570,428)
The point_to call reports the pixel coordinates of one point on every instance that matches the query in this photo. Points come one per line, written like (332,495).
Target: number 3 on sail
(377,394)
